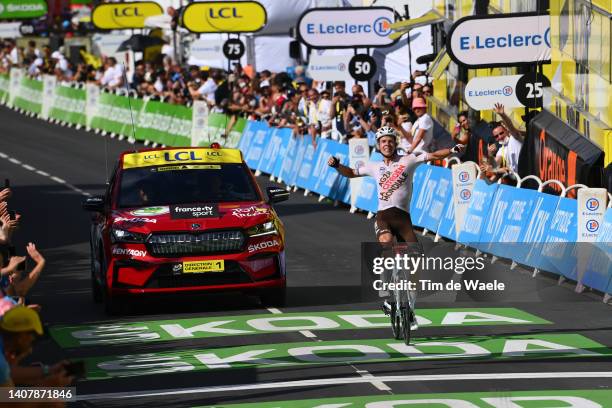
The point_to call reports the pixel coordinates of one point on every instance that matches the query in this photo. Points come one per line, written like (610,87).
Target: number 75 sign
(512,91)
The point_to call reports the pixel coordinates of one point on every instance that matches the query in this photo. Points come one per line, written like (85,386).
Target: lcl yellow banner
(224,17)
(112,16)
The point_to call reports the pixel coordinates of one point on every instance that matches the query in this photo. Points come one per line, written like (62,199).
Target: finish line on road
(166,330)
(346,352)
(347,380)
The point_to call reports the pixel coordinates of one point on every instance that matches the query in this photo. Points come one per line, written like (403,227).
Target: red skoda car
(182,220)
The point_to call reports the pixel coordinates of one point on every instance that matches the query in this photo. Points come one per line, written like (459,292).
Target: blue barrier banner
(271,151)
(478,212)
(433,192)
(288,162)
(328,178)
(308,161)
(340,186)
(247,136)
(258,144)
(302,146)
(542,213)
(318,166)
(561,238)
(418,177)
(447,228)
(367,199)
(598,274)
(507,221)
(285,136)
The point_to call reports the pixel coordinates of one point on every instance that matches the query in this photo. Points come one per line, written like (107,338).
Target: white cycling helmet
(386,131)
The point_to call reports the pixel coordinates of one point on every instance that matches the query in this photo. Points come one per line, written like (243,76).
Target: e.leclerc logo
(464,176)
(381,27)
(592,204)
(504,41)
(465,194)
(505,91)
(592,225)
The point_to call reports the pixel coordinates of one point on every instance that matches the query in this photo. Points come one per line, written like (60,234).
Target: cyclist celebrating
(394,178)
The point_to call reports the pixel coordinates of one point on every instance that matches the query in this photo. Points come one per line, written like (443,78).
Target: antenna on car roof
(132,139)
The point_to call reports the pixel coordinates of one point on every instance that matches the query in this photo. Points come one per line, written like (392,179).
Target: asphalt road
(536,335)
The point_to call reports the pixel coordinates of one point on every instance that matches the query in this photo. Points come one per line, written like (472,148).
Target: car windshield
(186,184)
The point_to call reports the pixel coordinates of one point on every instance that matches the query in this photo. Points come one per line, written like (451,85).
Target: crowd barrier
(526,226)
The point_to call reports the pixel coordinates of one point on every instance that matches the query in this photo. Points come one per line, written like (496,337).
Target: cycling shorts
(395,221)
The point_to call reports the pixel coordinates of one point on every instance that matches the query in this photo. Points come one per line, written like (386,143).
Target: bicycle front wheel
(396,322)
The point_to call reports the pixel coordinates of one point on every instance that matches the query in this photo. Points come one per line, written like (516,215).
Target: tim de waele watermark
(400,272)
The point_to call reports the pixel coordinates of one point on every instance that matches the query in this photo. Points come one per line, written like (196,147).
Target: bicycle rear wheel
(405,323)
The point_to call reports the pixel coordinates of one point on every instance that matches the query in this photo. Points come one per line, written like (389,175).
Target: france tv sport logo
(592,204)
(465,194)
(382,26)
(464,176)
(592,225)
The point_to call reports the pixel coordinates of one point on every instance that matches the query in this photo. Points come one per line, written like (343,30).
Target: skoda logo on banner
(592,204)
(500,40)
(346,27)
(592,225)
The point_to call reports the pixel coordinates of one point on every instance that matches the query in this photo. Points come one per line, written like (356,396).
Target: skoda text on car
(183,220)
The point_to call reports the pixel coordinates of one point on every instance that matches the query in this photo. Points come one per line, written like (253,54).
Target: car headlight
(120,235)
(267,228)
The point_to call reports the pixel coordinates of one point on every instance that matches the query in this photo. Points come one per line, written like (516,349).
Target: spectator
(462,133)
(422,129)
(113,74)
(19,327)
(507,155)
(21,282)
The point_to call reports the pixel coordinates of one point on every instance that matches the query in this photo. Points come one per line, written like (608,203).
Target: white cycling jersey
(394,181)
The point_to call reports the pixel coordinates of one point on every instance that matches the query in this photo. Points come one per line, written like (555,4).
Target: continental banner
(165,124)
(218,125)
(30,95)
(4,88)
(553,150)
(69,105)
(115,112)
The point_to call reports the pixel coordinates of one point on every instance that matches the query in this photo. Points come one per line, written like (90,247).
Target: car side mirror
(276,195)
(95,203)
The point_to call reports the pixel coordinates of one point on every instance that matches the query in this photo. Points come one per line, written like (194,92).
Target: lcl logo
(127,12)
(224,12)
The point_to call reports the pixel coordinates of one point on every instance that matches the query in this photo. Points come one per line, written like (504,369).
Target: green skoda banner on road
(347,351)
(22,9)
(69,105)
(499,399)
(30,95)
(166,330)
(165,124)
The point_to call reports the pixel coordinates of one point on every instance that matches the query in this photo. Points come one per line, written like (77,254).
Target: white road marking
(346,380)
(308,333)
(45,174)
(378,384)
(274,310)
